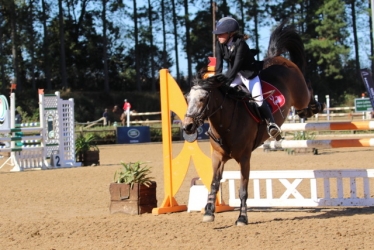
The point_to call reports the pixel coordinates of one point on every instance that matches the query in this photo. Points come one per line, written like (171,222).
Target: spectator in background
(126,112)
(105,116)
(18,118)
(116,114)
(126,106)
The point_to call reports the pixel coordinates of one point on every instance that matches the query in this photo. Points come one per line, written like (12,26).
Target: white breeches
(253,85)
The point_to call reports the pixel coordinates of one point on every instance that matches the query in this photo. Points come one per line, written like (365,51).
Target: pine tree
(329,47)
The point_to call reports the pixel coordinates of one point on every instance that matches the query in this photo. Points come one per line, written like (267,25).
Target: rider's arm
(219,58)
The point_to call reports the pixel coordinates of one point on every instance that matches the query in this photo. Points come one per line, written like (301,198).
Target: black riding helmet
(226,25)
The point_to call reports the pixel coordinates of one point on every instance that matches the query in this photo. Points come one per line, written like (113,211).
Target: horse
(234,131)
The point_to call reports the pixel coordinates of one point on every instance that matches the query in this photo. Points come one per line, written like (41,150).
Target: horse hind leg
(314,107)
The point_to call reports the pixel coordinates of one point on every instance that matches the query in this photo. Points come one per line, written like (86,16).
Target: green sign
(363,105)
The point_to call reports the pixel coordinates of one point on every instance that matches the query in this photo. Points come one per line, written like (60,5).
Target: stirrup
(274,131)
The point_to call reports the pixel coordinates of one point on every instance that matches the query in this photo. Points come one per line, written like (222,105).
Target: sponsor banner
(201,132)
(363,105)
(136,134)
(369,84)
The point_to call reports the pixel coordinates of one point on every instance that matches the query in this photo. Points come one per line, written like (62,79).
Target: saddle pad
(273,96)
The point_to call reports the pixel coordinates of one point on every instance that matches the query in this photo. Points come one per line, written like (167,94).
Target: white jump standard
(52,144)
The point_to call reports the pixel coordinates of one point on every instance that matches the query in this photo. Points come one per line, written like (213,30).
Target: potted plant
(86,150)
(133,191)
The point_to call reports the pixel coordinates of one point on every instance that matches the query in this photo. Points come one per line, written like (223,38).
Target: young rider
(231,47)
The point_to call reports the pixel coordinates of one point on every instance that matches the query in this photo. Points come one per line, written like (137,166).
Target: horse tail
(285,39)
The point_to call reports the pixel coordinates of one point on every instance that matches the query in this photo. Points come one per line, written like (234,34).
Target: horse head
(198,101)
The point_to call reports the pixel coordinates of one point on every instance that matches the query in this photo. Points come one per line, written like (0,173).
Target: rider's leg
(237,81)
(273,129)
(256,90)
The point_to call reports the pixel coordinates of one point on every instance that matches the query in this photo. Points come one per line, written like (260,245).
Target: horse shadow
(323,213)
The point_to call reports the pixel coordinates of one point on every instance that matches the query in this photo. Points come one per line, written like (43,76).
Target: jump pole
(175,170)
(318,126)
(345,143)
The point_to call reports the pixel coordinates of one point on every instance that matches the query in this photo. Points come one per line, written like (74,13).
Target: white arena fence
(303,188)
(49,143)
(348,187)
(295,188)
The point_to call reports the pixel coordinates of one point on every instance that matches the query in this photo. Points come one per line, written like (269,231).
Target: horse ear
(201,73)
(186,96)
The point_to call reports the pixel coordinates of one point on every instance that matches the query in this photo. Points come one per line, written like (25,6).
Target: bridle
(199,118)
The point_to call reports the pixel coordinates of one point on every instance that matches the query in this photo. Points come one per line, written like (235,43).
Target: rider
(231,47)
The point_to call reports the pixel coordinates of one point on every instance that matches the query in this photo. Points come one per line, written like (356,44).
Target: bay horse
(234,131)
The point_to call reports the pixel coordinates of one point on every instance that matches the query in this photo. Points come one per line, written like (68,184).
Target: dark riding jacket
(239,58)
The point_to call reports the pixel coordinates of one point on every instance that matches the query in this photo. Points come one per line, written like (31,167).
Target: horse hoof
(208,218)
(240,223)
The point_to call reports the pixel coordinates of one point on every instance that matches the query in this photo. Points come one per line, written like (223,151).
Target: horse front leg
(243,194)
(218,166)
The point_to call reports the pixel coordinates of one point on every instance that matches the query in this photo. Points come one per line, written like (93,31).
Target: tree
(329,46)
(151,41)
(105,44)
(352,4)
(64,83)
(14,36)
(188,39)
(175,33)
(137,61)
(255,12)
(201,33)
(46,64)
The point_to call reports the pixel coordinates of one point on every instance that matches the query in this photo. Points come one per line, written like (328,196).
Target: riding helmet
(226,25)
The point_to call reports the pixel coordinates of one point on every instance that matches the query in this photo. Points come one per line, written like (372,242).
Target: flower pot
(137,200)
(91,157)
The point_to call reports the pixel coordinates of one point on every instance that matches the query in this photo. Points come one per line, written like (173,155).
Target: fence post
(328,107)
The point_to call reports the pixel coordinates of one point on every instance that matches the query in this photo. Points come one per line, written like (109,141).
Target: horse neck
(222,110)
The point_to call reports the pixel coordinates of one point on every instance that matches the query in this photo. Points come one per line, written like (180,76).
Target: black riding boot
(273,129)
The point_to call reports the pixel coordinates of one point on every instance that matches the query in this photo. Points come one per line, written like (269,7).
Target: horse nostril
(188,127)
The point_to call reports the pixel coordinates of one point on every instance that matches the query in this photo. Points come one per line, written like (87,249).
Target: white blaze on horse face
(196,101)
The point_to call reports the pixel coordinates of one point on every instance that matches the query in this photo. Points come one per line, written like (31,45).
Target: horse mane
(215,81)
(285,39)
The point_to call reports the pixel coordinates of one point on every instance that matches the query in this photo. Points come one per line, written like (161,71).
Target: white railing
(352,188)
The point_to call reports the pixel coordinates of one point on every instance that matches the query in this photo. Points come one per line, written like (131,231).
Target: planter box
(138,200)
(91,157)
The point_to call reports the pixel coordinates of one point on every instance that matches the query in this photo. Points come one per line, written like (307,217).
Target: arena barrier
(175,170)
(348,187)
(49,143)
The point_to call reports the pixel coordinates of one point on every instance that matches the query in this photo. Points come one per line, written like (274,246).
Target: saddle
(271,95)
